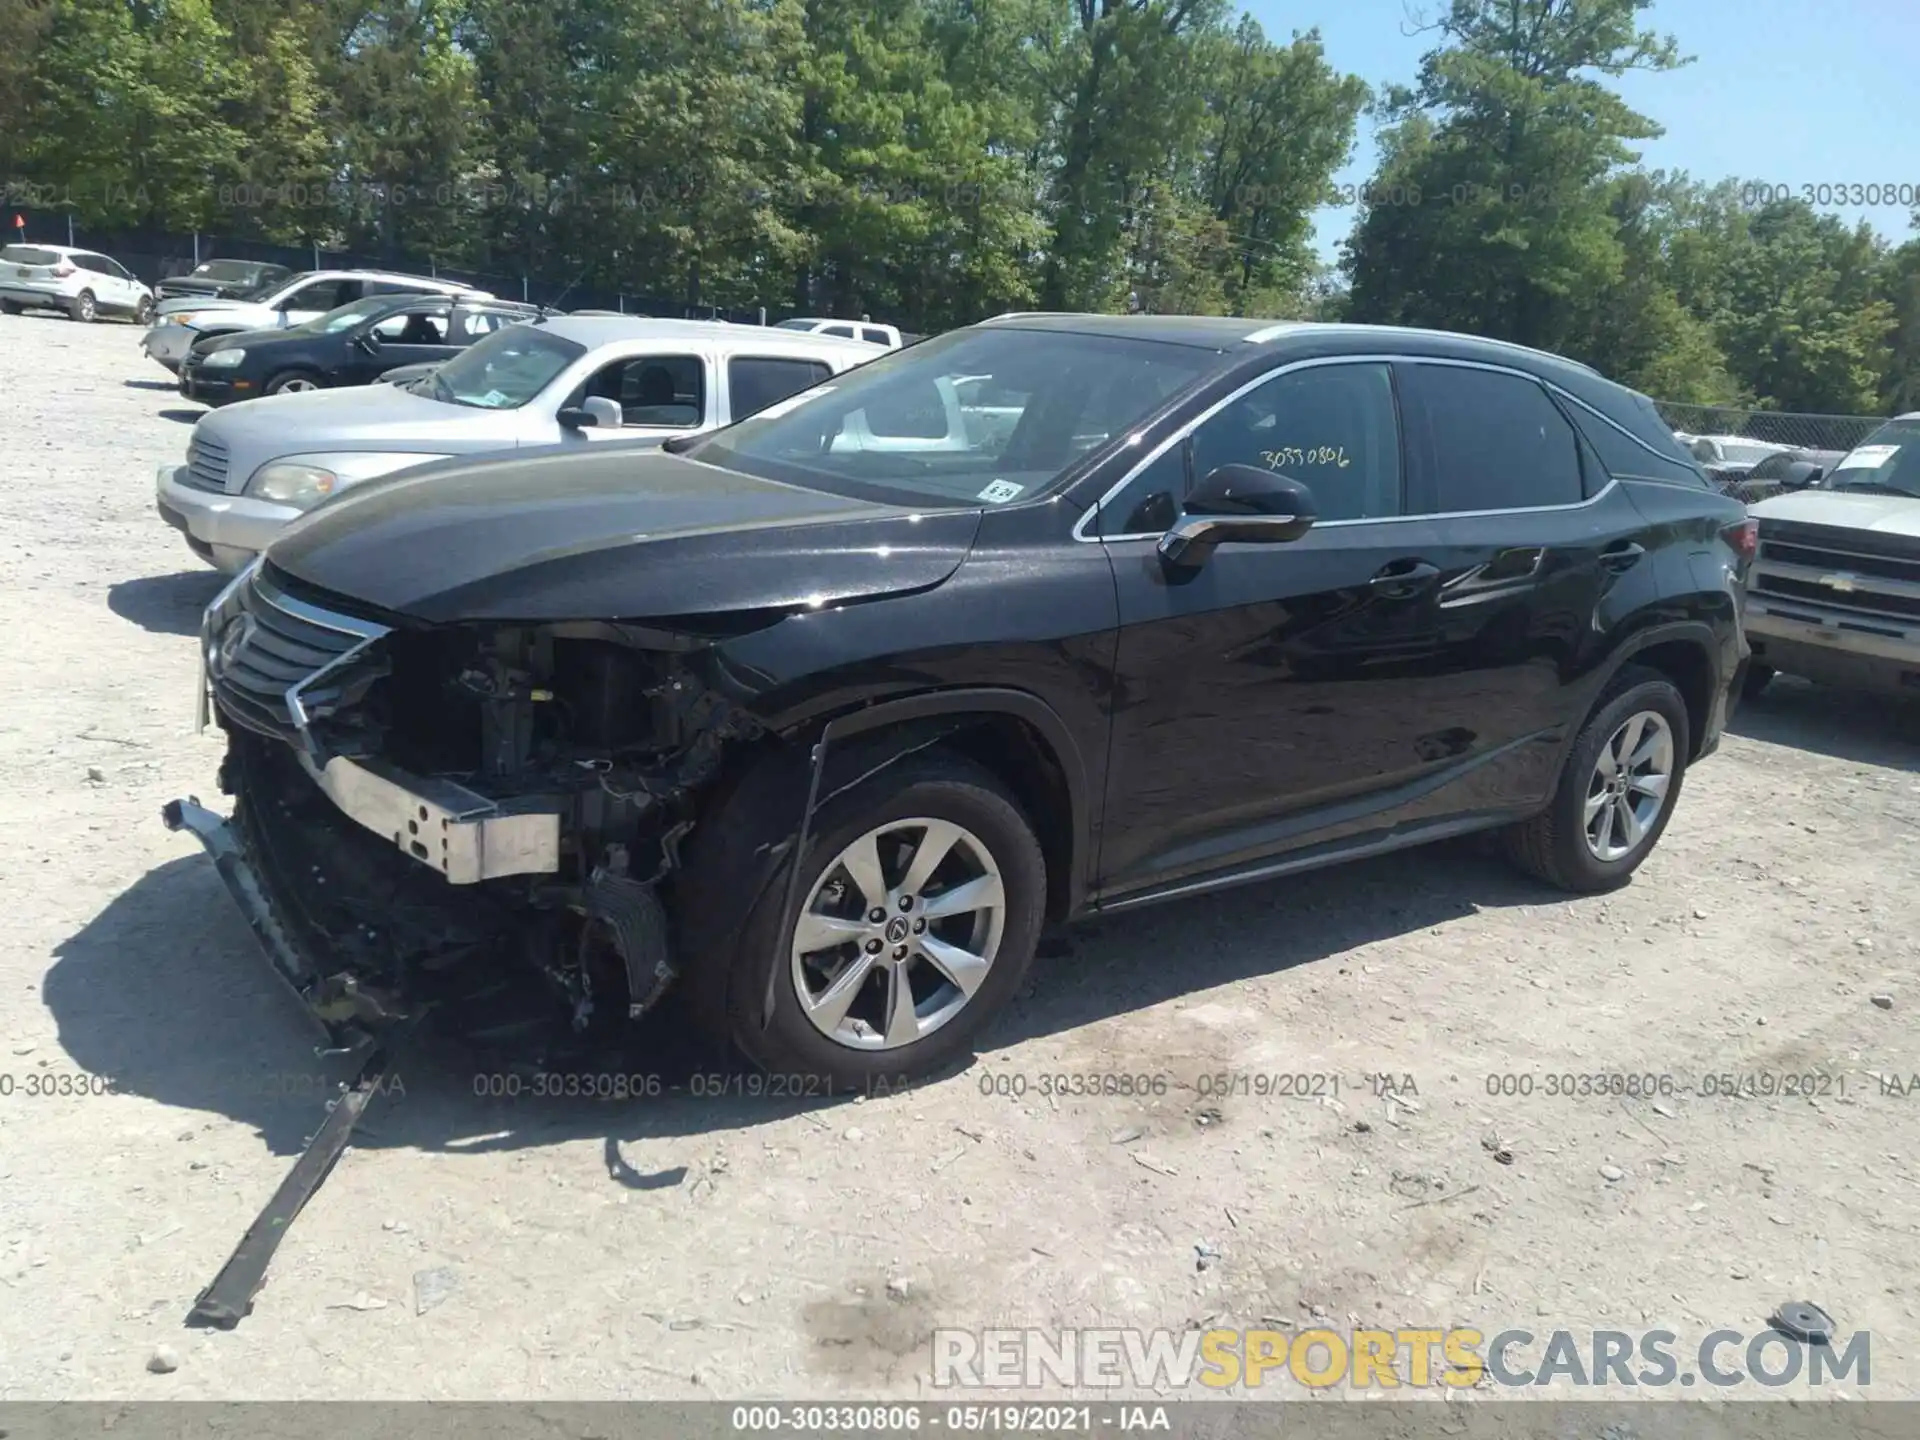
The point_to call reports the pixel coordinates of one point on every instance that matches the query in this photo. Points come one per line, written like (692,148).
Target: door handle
(1403,579)
(1623,556)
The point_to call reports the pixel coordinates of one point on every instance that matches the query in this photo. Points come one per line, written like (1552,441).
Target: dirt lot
(690,1245)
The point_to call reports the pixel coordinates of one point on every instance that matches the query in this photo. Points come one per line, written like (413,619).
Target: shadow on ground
(165,991)
(166,604)
(184,417)
(151,384)
(1845,724)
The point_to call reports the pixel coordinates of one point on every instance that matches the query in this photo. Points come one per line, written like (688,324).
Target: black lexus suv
(824,716)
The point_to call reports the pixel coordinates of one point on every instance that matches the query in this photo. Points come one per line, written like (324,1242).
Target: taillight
(1744,538)
(64,269)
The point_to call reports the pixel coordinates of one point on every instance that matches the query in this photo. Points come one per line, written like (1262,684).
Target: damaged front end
(420,812)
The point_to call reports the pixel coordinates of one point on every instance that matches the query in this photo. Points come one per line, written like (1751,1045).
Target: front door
(1281,695)
(415,336)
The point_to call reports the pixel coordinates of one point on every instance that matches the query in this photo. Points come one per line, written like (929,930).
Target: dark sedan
(353,345)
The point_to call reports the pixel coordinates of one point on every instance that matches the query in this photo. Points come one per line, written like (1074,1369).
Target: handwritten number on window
(1334,455)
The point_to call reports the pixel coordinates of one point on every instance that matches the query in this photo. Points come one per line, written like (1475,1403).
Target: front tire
(919,906)
(10,307)
(143,312)
(292,382)
(83,308)
(1758,678)
(1616,792)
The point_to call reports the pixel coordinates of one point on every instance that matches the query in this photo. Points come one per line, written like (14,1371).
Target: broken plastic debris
(1804,1320)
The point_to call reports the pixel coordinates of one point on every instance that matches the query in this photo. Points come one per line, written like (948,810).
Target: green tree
(1805,328)
(1280,121)
(122,111)
(1490,209)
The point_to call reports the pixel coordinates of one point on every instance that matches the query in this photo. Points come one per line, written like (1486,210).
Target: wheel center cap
(896,930)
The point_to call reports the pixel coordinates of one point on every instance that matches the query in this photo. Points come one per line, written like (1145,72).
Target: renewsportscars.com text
(1414,1357)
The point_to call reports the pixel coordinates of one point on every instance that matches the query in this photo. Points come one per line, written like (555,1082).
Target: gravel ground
(693,1245)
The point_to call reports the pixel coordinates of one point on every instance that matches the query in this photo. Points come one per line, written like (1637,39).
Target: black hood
(628,534)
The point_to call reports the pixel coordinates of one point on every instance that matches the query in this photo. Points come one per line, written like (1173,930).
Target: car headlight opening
(223,359)
(292,484)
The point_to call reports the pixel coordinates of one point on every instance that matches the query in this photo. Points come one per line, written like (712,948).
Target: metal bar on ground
(229,1299)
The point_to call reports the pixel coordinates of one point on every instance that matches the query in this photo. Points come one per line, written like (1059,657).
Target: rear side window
(1495,441)
(98,264)
(1627,459)
(845,332)
(29,255)
(755,382)
(873,336)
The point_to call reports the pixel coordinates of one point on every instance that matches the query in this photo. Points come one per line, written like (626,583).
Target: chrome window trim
(1180,435)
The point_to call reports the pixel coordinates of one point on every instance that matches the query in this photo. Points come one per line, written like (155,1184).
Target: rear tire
(10,307)
(83,309)
(992,852)
(1602,822)
(1758,678)
(292,382)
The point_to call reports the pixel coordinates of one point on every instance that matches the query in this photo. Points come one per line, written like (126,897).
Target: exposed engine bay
(603,733)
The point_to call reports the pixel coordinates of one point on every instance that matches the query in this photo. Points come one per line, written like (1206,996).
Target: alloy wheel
(296,386)
(898,934)
(1629,785)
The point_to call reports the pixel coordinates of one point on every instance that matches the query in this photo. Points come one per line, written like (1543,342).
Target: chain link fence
(1752,453)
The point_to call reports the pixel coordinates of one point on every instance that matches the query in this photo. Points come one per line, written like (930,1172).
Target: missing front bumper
(461,835)
(338,1005)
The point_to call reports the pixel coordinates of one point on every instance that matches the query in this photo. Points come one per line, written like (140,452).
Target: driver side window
(1333,427)
(662,392)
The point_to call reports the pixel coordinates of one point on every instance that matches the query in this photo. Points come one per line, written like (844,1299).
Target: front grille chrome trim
(253,594)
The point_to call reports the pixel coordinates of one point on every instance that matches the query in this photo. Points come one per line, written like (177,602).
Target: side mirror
(1238,502)
(596,412)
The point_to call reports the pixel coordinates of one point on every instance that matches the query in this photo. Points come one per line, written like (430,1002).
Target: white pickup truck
(1834,593)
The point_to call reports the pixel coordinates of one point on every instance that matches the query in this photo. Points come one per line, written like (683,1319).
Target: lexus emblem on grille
(1843,582)
(237,633)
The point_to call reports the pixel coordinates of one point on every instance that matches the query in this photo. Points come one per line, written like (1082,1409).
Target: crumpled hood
(628,534)
(1883,514)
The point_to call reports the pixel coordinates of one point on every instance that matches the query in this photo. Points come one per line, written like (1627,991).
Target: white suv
(83,283)
(292,300)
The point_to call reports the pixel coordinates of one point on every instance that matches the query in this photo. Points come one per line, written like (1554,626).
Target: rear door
(1534,548)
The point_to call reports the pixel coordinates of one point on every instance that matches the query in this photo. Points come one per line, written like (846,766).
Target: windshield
(984,415)
(502,372)
(1887,462)
(226,270)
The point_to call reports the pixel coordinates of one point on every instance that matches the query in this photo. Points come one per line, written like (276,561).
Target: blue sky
(1792,92)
